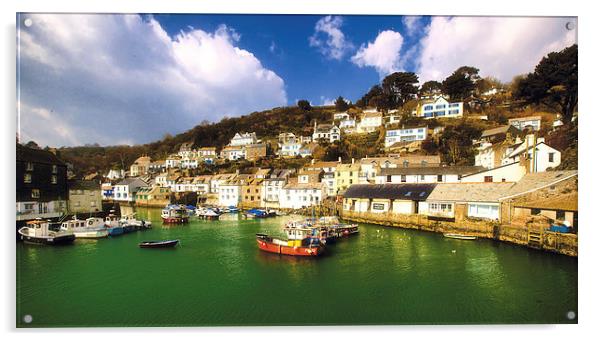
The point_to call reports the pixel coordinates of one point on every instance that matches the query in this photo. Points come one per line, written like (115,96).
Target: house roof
(460,170)
(372,114)
(89,185)
(322,164)
(568,202)
(310,171)
(522,148)
(207,148)
(132,182)
(470,192)
(390,191)
(348,167)
(528,118)
(325,128)
(26,154)
(534,181)
(412,159)
(294,184)
(495,131)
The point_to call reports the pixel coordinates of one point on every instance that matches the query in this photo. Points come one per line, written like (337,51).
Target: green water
(219,277)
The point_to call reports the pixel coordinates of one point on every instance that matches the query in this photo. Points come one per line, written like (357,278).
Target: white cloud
(336,45)
(326,101)
(412,23)
(110,78)
(501,47)
(383,54)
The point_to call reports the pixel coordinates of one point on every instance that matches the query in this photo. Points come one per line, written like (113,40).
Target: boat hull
(115,231)
(91,234)
(459,236)
(158,245)
(61,240)
(300,251)
(175,220)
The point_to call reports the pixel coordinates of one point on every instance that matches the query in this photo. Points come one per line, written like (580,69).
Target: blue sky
(125,79)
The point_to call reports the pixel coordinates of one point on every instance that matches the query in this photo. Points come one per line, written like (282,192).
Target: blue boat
(257,213)
(115,231)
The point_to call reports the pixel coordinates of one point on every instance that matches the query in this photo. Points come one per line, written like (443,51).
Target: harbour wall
(538,238)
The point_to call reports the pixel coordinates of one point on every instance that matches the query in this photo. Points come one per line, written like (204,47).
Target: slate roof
(89,185)
(26,154)
(470,192)
(496,131)
(567,202)
(132,182)
(390,191)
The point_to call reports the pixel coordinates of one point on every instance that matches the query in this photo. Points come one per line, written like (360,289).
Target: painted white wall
(507,173)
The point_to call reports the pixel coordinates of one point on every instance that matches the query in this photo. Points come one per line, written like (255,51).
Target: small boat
(113,225)
(133,223)
(43,232)
(172,215)
(459,236)
(259,213)
(89,228)
(307,247)
(158,244)
(208,213)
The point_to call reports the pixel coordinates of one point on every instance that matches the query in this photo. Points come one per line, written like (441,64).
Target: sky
(127,79)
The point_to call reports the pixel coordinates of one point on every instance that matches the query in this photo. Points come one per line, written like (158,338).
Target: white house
(161,180)
(243,139)
(218,179)
(234,153)
(229,193)
(115,174)
(449,174)
(296,195)
(522,123)
(126,189)
(545,156)
(347,125)
(405,135)
(272,186)
(387,198)
(511,172)
(370,122)
(391,119)
(439,108)
(480,200)
(188,162)
(184,184)
(173,161)
(340,116)
(328,132)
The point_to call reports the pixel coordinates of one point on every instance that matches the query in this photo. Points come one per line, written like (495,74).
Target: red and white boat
(307,247)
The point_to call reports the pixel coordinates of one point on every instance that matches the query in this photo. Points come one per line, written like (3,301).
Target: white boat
(459,236)
(131,221)
(89,228)
(208,213)
(40,232)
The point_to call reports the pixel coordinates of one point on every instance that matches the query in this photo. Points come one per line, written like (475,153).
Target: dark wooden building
(41,184)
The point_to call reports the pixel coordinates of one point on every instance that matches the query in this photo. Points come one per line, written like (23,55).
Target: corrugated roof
(390,191)
(470,192)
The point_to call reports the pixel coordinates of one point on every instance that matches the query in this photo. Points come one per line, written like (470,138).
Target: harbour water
(217,276)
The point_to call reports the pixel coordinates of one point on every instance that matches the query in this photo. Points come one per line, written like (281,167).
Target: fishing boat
(232,209)
(459,236)
(43,232)
(158,244)
(308,228)
(174,215)
(113,225)
(133,223)
(259,213)
(306,247)
(89,228)
(208,213)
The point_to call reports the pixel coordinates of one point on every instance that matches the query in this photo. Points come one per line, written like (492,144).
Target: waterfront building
(346,175)
(251,192)
(330,184)
(541,156)
(230,190)
(298,194)
(126,189)
(387,198)
(474,200)
(218,179)
(532,123)
(243,139)
(439,107)
(511,172)
(448,174)
(405,135)
(272,185)
(42,190)
(202,184)
(184,184)
(370,166)
(106,191)
(85,196)
(140,166)
(370,122)
(171,181)
(326,132)
(153,196)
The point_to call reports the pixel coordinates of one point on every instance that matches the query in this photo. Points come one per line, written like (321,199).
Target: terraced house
(439,107)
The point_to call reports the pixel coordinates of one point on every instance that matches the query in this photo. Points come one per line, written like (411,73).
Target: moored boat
(89,228)
(459,236)
(42,232)
(307,247)
(159,244)
(135,224)
(172,215)
(259,213)
(208,213)
(113,225)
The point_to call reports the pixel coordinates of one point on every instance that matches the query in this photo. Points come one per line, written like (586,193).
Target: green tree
(398,88)
(462,83)
(303,104)
(553,83)
(341,104)
(430,88)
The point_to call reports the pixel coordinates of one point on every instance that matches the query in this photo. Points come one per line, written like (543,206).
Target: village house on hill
(326,132)
(140,166)
(532,123)
(439,107)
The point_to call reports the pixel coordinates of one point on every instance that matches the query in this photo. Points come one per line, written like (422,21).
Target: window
(550,157)
(422,178)
(560,215)
(428,107)
(388,178)
(27,178)
(54,179)
(488,178)
(535,211)
(54,169)
(403,178)
(29,166)
(439,178)
(440,106)
(35,193)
